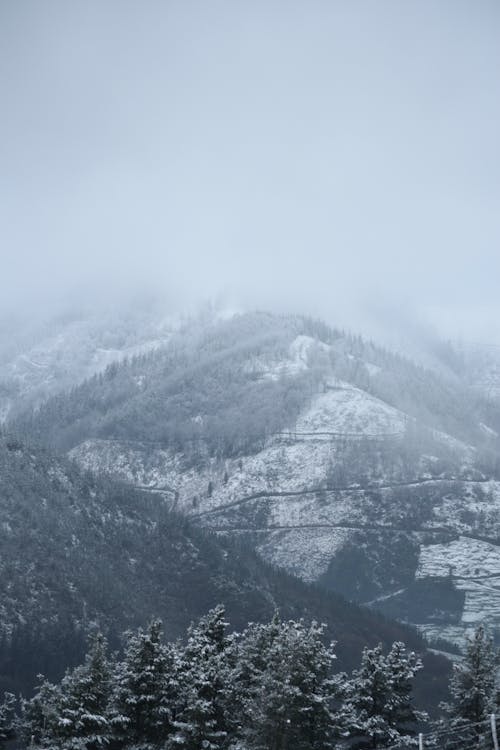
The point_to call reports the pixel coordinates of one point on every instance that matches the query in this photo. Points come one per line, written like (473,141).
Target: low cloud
(337,159)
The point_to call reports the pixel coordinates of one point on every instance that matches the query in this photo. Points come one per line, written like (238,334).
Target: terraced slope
(76,550)
(340,462)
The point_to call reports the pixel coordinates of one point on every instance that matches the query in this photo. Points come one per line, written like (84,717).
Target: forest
(272,686)
(214,391)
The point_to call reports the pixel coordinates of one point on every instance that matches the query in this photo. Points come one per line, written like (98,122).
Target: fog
(336,158)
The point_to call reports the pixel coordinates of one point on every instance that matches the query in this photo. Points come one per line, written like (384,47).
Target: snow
(278,494)
(467,558)
(458,446)
(39,365)
(295,362)
(351,410)
(488,430)
(372,369)
(474,566)
(61,354)
(304,552)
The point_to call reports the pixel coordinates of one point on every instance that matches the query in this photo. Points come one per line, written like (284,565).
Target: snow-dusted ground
(352,411)
(304,552)
(276,468)
(278,494)
(474,567)
(66,353)
(296,360)
(472,506)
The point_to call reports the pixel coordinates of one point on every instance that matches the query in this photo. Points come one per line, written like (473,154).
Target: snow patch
(488,430)
(350,410)
(296,361)
(474,567)
(306,553)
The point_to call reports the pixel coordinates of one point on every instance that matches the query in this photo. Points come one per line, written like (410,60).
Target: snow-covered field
(304,552)
(474,567)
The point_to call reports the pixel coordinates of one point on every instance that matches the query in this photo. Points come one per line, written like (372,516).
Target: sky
(339,158)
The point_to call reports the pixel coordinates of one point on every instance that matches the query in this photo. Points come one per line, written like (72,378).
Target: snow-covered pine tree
(376,701)
(284,686)
(145,690)
(39,721)
(7,718)
(474,695)
(403,665)
(83,707)
(201,719)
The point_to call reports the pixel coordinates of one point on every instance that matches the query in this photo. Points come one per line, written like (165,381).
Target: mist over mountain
(328,160)
(249,348)
(350,466)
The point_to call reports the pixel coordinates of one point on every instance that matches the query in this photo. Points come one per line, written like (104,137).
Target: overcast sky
(341,158)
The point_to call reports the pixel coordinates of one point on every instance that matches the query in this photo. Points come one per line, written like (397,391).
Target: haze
(336,158)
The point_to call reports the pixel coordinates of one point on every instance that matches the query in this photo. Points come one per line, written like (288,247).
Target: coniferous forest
(272,686)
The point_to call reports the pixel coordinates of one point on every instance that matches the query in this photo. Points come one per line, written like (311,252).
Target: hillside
(40,357)
(345,464)
(76,550)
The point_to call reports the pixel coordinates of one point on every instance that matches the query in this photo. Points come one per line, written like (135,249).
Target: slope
(335,459)
(76,549)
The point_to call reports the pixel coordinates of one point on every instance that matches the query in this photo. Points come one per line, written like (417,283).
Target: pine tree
(473,686)
(84,701)
(74,714)
(39,722)
(285,691)
(145,690)
(376,705)
(201,720)
(7,719)
(403,666)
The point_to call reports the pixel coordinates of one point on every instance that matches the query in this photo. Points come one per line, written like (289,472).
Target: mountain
(347,465)
(77,549)
(40,357)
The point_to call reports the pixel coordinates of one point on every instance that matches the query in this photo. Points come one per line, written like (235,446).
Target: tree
(83,705)
(7,719)
(74,714)
(376,704)
(40,716)
(285,691)
(145,690)
(472,685)
(201,719)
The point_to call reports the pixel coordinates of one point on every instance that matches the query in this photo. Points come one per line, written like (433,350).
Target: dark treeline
(272,686)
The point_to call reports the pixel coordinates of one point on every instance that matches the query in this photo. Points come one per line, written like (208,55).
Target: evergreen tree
(473,686)
(285,691)
(74,714)
(202,720)
(376,706)
(39,722)
(145,690)
(84,702)
(7,719)
(400,711)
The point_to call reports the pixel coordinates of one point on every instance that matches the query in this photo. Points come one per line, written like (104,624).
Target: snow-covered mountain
(77,550)
(341,462)
(39,358)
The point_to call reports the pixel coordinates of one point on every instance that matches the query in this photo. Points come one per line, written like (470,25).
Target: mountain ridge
(262,424)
